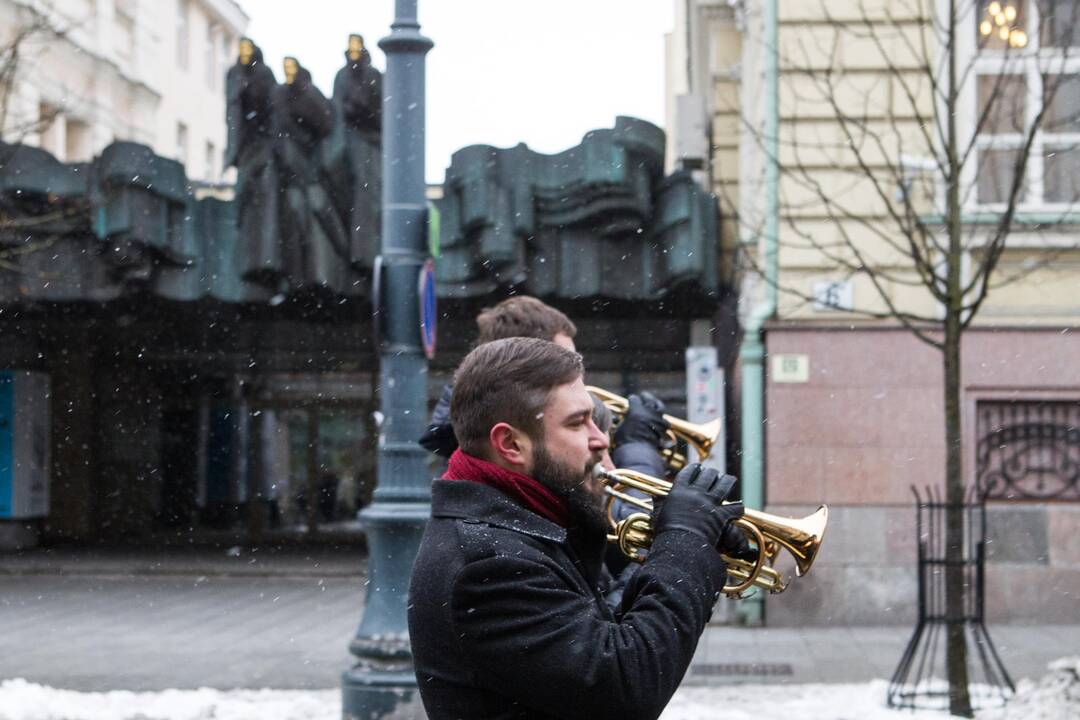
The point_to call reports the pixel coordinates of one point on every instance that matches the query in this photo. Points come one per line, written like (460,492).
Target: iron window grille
(1028,450)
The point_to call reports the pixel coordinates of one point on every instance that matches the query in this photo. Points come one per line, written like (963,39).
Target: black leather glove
(733,543)
(695,504)
(644,421)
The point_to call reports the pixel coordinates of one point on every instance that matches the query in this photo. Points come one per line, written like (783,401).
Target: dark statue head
(249,53)
(357,56)
(291,67)
(356,47)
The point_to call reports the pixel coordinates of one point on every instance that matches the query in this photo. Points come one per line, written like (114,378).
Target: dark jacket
(439,438)
(506,619)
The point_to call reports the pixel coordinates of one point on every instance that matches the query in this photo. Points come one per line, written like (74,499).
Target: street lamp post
(381,684)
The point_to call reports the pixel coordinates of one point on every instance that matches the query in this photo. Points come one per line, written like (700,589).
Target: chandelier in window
(1000,23)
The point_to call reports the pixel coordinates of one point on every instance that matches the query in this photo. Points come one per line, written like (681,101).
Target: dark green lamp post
(381,684)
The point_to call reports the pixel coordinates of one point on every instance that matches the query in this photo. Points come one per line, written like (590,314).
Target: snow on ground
(20,700)
(1055,697)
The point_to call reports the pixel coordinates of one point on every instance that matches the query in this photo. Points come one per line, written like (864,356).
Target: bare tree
(25,37)
(898,162)
(23,233)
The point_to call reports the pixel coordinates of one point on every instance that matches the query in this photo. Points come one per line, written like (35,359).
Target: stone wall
(866,426)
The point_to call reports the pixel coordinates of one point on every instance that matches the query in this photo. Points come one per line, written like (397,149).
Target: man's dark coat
(506,620)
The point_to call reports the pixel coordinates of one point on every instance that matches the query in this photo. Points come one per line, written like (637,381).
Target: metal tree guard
(382,683)
(918,682)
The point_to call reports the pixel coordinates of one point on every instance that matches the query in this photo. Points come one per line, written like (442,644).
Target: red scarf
(524,490)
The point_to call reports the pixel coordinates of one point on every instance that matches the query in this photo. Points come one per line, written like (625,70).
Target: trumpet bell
(701,436)
(801,537)
(814,526)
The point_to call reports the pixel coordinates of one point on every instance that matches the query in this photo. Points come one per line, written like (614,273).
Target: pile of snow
(1054,697)
(863,701)
(20,700)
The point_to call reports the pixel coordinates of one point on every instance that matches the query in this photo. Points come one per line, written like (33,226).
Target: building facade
(850,399)
(149,71)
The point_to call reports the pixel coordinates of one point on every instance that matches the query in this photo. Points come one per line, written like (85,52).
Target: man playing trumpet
(506,618)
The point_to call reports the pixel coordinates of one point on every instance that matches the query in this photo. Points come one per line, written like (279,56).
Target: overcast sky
(543,72)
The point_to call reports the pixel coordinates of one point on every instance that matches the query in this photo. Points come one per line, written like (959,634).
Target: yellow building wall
(840,186)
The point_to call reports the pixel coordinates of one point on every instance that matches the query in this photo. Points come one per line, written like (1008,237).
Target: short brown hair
(522,316)
(509,381)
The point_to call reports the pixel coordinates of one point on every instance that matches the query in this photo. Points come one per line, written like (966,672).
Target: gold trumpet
(702,437)
(799,536)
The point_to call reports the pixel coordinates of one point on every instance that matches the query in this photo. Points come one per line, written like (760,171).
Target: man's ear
(511,447)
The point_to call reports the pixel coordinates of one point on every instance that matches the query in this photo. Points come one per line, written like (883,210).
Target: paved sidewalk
(151,620)
(82,632)
(856,654)
(327,559)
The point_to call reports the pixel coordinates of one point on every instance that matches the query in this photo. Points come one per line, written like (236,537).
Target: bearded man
(506,615)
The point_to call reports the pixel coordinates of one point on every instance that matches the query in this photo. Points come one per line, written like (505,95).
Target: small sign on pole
(428,307)
(705,396)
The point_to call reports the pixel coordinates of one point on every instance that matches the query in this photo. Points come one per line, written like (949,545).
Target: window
(50,127)
(1061,173)
(78,142)
(1001,25)
(1028,449)
(181,143)
(1059,27)
(1001,106)
(211,159)
(1061,127)
(996,173)
(227,55)
(213,64)
(124,35)
(183,33)
(1017,42)
(1002,103)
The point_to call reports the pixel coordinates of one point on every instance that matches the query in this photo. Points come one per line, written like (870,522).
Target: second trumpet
(700,436)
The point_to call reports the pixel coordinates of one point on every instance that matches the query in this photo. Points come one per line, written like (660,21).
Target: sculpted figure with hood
(355,152)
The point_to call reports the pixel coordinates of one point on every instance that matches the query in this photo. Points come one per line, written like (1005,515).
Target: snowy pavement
(96,633)
(243,640)
(147,633)
(1055,697)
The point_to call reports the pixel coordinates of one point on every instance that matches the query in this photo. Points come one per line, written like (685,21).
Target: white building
(150,71)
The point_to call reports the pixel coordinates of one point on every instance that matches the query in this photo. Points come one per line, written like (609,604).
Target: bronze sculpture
(355,151)
(309,171)
(311,231)
(249,88)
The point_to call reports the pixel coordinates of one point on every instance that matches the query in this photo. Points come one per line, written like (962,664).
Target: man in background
(519,316)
